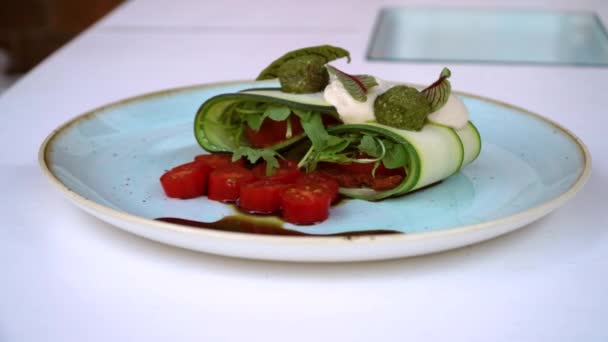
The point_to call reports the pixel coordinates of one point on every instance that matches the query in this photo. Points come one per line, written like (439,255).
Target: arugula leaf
(370,146)
(304,115)
(254,121)
(255,113)
(247,111)
(315,131)
(277,113)
(438,93)
(395,156)
(325,147)
(336,144)
(254,154)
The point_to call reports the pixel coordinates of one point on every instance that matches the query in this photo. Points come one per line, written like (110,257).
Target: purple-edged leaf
(438,93)
(356,86)
(368,81)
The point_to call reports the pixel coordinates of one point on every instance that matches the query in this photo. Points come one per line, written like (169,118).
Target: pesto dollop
(402,107)
(304,74)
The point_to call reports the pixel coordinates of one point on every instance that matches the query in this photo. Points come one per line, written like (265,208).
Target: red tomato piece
(305,203)
(218,160)
(322,179)
(386,182)
(355,175)
(367,168)
(225,183)
(272,132)
(286,173)
(349,180)
(186,181)
(262,196)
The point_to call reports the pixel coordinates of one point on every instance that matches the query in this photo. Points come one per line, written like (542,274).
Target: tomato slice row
(299,198)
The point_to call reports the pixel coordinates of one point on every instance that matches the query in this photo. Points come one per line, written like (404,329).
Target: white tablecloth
(67,276)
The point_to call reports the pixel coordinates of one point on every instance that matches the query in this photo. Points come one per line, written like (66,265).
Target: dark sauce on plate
(252,224)
(242,224)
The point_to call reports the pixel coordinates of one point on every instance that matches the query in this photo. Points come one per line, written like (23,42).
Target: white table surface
(67,276)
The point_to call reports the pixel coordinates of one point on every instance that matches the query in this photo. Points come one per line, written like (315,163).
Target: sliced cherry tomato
(367,168)
(218,160)
(273,132)
(357,167)
(286,173)
(355,175)
(225,183)
(186,181)
(305,203)
(386,182)
(262,196)
(349,179)
(322,179)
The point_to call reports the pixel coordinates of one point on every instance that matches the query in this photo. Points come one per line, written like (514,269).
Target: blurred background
(30,30)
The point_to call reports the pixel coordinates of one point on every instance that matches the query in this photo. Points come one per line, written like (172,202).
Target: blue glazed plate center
(114,156)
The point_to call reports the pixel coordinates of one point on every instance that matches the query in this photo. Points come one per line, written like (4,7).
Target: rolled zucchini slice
(433,153)
(217,134)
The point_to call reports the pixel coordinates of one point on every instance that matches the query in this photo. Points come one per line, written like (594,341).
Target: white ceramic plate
(108,162)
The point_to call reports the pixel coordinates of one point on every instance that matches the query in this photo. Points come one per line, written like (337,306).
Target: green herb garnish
(254,113)
(324,146)
(254,154)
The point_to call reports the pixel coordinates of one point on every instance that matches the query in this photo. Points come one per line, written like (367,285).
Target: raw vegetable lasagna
(323,134)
